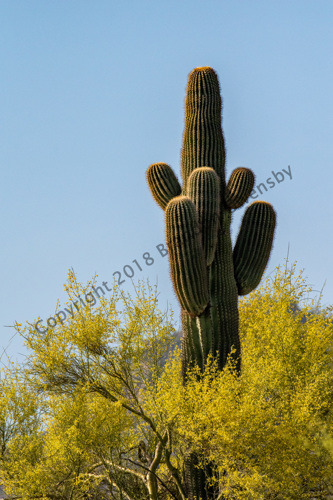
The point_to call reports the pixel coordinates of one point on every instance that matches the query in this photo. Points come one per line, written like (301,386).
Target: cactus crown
(203,143)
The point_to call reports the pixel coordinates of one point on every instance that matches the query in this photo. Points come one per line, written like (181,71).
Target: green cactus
(207,274)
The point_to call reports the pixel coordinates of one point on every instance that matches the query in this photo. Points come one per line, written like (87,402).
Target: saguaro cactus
(207,274)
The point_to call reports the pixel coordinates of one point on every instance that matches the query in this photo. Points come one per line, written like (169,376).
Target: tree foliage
(95,375)
(269,430)
(99,410)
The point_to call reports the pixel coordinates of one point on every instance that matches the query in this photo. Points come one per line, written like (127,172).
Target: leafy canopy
(112,418)
(269,431)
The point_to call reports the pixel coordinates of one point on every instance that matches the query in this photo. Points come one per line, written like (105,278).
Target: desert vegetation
(100,410)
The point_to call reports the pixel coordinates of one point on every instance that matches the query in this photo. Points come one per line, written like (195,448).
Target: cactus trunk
(218,324)
(207,274)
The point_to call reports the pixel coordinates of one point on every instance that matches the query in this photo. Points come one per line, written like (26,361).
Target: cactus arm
(163,183)
(187,262)
(191,344)
(203,187)
(253,245)
(239,187)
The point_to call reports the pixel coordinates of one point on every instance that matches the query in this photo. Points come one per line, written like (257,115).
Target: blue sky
(92,93)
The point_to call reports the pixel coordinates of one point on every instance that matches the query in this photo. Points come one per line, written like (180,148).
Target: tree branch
(172,469)
(158,478)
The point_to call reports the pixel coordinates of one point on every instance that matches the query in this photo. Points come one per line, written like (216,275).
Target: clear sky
(92,93)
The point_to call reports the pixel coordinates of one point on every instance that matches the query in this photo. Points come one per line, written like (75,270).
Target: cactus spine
(207,274)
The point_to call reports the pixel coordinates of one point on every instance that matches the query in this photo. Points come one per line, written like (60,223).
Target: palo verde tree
(207,274)
(100,411)
(99,433)
(268,430)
